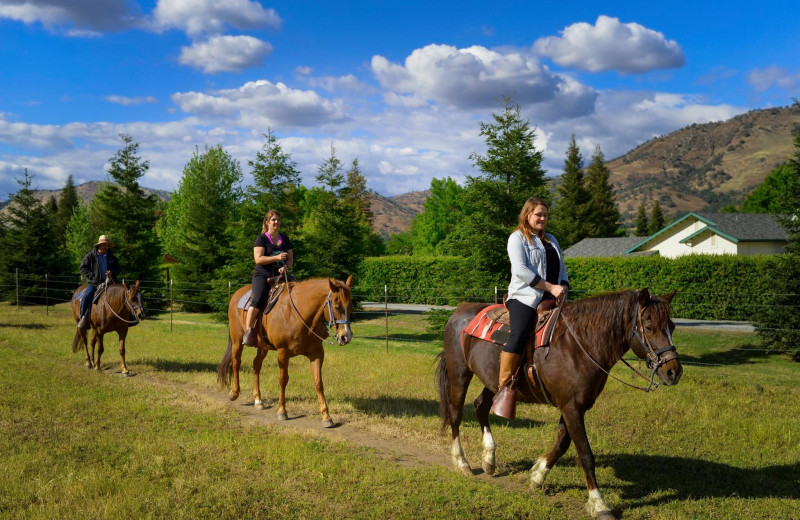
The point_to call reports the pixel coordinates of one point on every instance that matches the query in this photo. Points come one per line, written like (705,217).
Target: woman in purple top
(273,255)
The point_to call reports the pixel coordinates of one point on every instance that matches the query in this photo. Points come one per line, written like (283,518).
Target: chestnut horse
(118,308)
(590,337)
(295,326)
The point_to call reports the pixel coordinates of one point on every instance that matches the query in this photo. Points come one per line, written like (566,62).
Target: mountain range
(701,167)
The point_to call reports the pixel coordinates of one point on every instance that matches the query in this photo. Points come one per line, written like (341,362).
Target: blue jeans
(86,302)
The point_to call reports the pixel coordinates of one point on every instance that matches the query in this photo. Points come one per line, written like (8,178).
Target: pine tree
(67,202)
(642,225)
(330,173)
(569,211)
(657,221)
(603,215)
(124,211)
(355,191)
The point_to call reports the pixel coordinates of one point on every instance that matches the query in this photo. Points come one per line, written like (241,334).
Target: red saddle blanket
(491,324)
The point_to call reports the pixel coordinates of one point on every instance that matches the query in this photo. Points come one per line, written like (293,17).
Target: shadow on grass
(35,326)
(687,478)
(165,365)
(743,355)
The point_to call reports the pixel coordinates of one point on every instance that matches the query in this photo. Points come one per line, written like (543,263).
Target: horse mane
(324,280)
(601,316)
(115,295)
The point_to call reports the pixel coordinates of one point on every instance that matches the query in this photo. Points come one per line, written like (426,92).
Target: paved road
(413,308)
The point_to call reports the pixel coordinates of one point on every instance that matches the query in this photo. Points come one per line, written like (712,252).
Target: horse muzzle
(671,370)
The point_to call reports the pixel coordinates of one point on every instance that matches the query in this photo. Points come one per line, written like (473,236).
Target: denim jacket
(528,266)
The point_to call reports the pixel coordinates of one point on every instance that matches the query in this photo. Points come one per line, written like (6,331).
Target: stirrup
(504,403)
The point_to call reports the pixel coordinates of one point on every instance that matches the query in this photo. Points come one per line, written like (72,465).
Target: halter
(332,321)
(654,360)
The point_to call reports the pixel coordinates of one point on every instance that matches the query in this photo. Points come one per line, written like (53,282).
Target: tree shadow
(681,478)
(746,354)
(166,365)
(34,326)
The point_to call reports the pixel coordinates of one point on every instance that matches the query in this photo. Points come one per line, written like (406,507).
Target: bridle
(653,358)
(328,305)
(132,308)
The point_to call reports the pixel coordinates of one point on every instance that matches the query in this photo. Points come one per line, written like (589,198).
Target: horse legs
(89,360)
(316,359)
(283,380)
(459,383)
(257,362)
(236,363)
(574,419)
(97,338)
(483,403)
(122,335)
(546,462)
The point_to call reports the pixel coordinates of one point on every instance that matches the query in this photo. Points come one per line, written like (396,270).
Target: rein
(639,333)
(328,305)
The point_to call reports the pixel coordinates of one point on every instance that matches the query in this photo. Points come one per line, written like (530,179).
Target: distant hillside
(393,215)
(86,192)
(704,167)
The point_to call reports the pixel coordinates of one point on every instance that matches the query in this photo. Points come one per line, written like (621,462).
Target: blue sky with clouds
(400,85)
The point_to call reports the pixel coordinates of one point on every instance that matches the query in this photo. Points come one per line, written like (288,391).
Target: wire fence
(168,295)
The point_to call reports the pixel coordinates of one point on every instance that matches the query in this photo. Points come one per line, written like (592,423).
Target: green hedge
(723,287)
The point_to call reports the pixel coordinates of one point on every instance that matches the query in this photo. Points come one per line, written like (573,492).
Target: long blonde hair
(265,224)
(527,209)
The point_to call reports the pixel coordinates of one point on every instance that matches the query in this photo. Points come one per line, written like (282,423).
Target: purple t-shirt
(271,249)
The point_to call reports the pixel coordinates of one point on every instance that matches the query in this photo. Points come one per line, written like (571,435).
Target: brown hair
(265,224)
(527,209)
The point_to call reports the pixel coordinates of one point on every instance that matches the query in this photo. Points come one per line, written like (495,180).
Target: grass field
(76,443)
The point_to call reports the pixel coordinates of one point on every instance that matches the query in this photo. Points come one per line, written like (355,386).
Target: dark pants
(86,302)
(261,289)
(523,321)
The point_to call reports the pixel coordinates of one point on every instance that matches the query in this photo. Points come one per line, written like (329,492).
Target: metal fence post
(16,270)
(495,294)
(46,299)
(171,304)
(386,313)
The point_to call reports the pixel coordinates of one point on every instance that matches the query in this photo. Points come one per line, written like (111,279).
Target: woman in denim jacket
(537,272)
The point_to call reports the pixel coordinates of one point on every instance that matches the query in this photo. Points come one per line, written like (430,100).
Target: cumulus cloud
(226,54)
(261,103)
(628,48)
(75,17)
(766,78)
(475,77)
(197,17)
(127,101)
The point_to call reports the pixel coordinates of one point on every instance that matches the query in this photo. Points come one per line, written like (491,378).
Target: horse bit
(654,360)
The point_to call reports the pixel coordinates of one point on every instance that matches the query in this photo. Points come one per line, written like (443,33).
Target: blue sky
(400,85)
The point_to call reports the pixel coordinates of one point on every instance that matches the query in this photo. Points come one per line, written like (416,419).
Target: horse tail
(225,368)
(443,382)
(76,341)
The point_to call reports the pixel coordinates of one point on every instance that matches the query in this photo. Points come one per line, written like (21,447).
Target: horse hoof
(328,423)
(258,406)
(282,416)
(233,396)
(465,469)
(126,374)
(489,469)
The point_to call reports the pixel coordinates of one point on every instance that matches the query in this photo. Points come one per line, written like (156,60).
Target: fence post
(386,313)
(46,299)
(495,294)
(16,271)
(229,290)
(171,304)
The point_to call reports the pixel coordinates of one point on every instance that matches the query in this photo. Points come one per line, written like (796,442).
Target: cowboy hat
(104,240)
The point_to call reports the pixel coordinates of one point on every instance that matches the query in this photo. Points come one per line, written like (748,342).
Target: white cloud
(259,104)
(197,17)
(76,17)
(766,78)
(611,45)
(475,77)
(226,54)
(128,101)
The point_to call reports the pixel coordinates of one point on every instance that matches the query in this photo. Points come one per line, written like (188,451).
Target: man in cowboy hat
(95,266)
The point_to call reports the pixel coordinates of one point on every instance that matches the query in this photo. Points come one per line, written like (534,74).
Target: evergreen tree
(642,225)
(779,323)
(657,221)
(771,196)
(197,225)
(67,202)
(79,236)
(442,212)
(355,191)
(603,215)
(569,211)
(127,214)
(277,185)
(330,173)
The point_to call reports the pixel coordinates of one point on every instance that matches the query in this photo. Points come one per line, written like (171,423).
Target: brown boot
(504,403)
(250,337)
(85,322)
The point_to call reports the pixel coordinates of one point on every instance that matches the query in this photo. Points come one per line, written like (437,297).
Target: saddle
(275,290)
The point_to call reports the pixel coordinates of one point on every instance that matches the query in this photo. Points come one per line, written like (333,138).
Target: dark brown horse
(295,326)
(118,308)
(590,337)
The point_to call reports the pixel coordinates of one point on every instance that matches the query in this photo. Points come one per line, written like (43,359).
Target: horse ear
(670,296)
(349,282)
(644,297)
(332,283)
